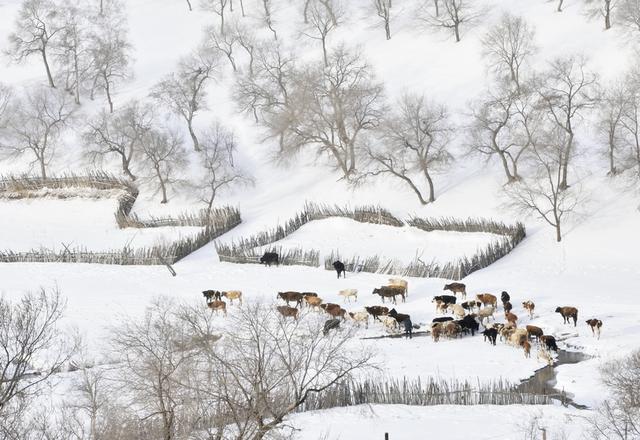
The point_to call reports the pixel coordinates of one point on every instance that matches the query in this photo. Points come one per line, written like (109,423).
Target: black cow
(549,342)
(330,324)
(491,334)
(339,267)
(443,319)
(211,295)
(504,296)
(447,299)
(469,323)
(507,306)
(270,258)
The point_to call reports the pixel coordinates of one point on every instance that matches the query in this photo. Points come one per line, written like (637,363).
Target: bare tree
(452,15)
(163,157)
(383,11)
(218,7)
(602,8)
(495,129)
(323,16)
(617,417)
(72,51)
(154,351)
(628,12)
(36,25)
(110,51)
(223,43)
(543,194)
(30,335)
(247,40)
(267,16)
(610,122)
(414,138)
(189,5)
(36,123)
(508,45)
(331,110)
(569,90)
(119,134)
(184,91)
(217,158)
(265,366)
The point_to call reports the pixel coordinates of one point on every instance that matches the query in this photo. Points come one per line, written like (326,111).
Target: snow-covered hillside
(594,267)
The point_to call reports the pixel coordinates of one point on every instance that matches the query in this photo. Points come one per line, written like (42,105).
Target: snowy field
(77,223)
(595,268)
(351,238)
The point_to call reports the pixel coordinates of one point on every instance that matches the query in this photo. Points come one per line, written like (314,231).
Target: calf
(436,331)
(549,342)
(526,346)
(377,311)
(441,307)
(270,258)
(339,267)
(568,313)
(330,324)
(532,331)
(490,334)
(348,294)
(291,296)
(511,318)
(471,305)
(313,301)
(217,305)
(287,312)
(389,292)
(360,317)
(595,325)
(211,295)
(529,306)
(504,296)
(487,299)
(457,288)
(446,299)
(507,306)
(233,294)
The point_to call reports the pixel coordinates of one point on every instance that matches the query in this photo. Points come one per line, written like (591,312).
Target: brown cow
(511,318)
(233,294)
(217,305)
(377,311)
(291,296)
(287,311)
(488,299)
(390,292)
(313,301)
(457,288)
(595,325)
(533,330)
(568,313)
(338,312)
(526,345)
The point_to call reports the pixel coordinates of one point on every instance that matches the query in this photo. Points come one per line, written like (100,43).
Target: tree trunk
(242,8)
(560,5)
(505,165)
(437,5)
(612,166)
(43,169)
(324,51)
(456,30)
(607,14)
(565,163)
(189,3)
(163,188)
(387,29)
(432,192)
(194,138)
(125,168)
(46,66)
(107,89)
(558,233)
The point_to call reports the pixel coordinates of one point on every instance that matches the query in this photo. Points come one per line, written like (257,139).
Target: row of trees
(83,46)
(175,373)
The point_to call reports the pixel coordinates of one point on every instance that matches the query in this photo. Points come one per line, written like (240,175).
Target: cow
(446,299)
(313,301)
(329,325)
(504,296)
(217,305)
(348,294)
(377,311)
(339,267)
(211,295)
(287,311)
(511,318)
(456,288)
(270,258)
(490,334)
(471,305)
(529,306)
(507,306)
(533,330)
(486,313)
(233,294)
(469,323)
(398,316)
(389,292)
(568,313)
(291,296)
(360,317)
(549,342)
(457,310)
(442,319)
(487,299)
(526,346)
(595,325)
(399,282)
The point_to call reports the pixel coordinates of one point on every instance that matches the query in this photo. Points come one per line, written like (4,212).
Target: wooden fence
(213,223)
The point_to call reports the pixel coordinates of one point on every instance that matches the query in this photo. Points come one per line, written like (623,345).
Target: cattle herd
(457,320)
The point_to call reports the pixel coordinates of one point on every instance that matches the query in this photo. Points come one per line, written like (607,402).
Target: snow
(594,268)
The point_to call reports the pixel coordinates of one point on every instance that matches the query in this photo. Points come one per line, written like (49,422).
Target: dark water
(544,380)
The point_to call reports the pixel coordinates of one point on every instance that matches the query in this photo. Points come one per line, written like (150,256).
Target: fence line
(213,223)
